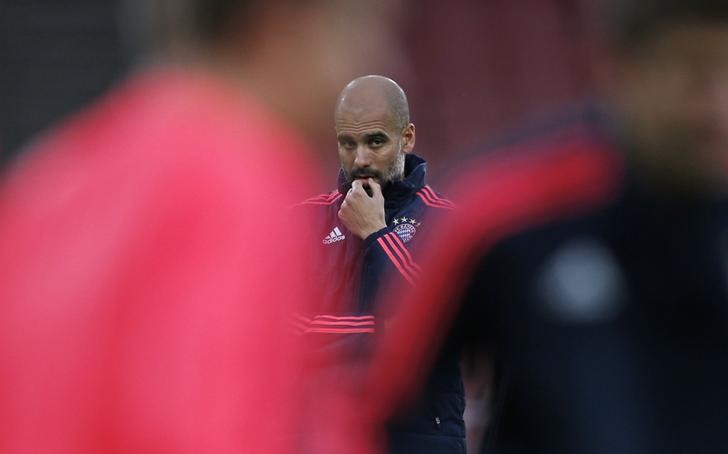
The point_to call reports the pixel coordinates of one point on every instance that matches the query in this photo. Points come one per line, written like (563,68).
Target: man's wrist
(375,230)
(376,234)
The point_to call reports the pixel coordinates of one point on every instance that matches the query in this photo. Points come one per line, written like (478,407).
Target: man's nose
(362,157)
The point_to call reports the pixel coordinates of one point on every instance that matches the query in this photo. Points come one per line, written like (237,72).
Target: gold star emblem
(396,221)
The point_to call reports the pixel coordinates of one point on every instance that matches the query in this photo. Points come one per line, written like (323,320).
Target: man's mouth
(363,175)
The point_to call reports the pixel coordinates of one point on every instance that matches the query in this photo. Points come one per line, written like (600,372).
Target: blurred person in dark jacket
(148,262)
(588,259)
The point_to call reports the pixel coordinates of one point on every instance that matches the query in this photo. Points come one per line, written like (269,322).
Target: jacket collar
(394,193)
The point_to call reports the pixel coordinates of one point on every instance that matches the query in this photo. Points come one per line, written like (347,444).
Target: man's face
(674,92)
(371,146)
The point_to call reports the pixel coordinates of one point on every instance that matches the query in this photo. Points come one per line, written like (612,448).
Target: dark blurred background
(54,57)
(473,67)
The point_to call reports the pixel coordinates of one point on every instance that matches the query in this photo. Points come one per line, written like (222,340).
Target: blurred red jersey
(147,268)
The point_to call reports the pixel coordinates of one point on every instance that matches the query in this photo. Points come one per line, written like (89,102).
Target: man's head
(668,77)
(373,129)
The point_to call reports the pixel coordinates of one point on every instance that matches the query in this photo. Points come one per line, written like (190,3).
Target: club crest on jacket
(405,228)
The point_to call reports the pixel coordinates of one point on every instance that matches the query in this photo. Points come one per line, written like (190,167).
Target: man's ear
(408,138)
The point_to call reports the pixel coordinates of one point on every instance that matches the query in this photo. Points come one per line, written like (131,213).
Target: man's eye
(348,145)
(376,142)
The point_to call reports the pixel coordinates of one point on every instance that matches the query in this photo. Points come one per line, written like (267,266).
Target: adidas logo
(334,236)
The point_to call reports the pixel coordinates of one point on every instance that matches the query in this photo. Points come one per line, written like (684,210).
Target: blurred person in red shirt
(148,263)
(587,259)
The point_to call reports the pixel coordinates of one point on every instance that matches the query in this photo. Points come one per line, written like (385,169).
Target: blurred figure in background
(589,260)
(368,231)
(148,263)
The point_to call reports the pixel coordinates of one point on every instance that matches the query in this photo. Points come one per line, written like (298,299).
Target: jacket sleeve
(386,249)
(388,263)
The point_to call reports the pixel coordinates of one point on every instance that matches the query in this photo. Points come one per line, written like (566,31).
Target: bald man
(366,232)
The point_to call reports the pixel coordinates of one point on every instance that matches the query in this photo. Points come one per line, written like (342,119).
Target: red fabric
(147,263)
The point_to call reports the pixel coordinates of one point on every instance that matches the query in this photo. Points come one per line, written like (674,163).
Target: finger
(376,187)
(357,186)
(342,211)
